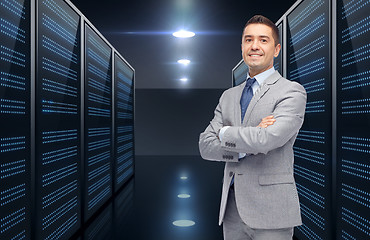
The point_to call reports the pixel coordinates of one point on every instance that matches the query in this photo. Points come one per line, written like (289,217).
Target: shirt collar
(260,78)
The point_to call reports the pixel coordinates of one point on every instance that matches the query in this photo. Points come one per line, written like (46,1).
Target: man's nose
(255,45)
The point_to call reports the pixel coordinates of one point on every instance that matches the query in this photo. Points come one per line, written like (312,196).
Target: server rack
(15,121)
(353,112)
(45,123)
(98,121)
(58,111)
(325,48)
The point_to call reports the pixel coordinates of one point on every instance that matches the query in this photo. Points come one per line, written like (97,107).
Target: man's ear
(277,50)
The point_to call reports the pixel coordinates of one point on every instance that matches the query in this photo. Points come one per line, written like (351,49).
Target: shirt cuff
(241,155)
(222,132)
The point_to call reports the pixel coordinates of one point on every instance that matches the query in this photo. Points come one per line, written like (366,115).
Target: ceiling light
(183,195)
(183,34)
(184,61)
(183,223)
(183,177)
(183,79)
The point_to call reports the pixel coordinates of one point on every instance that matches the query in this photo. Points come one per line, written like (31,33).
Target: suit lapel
(260,93)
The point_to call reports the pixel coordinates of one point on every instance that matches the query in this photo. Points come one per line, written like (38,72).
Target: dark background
(170,114)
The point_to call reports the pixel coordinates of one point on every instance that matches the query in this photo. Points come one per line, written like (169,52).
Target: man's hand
(267,121)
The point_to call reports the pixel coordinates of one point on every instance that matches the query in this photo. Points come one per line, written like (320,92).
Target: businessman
(253,130)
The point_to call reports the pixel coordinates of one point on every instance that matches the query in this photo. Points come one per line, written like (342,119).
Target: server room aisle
(158,196)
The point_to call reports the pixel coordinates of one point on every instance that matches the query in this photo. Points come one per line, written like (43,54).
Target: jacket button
(231,174)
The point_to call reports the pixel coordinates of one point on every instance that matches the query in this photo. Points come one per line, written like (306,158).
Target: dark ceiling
(142,32)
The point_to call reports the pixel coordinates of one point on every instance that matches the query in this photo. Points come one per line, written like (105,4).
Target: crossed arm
(272,132)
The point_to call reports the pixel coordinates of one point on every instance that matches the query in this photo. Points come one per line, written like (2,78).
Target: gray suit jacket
(265,190)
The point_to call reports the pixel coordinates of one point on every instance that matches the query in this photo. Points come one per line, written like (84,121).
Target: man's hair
(264,20)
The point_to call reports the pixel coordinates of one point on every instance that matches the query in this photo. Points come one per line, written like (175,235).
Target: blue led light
(312,7)
(98,171)
(59,212)
(99,99)
(315,85)
(124,157)
(63,228)
(12,194)
(312,156)
(59,69)
(346,236)
(98,86)
(311,196)
(12,56)
(308,49)
(12,31)
(99,112)
(59,174)
(310,175)
(98,184)
(59,49)
(101,157)
(58,29)
(313,216)
(122,77)
(356,169)
(127,173)
(103,50)
(310,68)
(100,60)
(60,88)
(308,30)
(356,30)
(124,87)
(99,197)
(356,195)
(125,165)
(352,7)
(14,7)
(53,6)
(356,221)
(12,219)
(311,136)
(355,56)
(308,232)
(99,73)
(58,194)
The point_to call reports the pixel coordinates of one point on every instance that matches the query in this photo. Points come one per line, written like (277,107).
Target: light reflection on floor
(149,205)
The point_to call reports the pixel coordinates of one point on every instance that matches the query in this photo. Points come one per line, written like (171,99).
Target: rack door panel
(124,122)
(353,115)
(308,62)
(15,132)
(58,116)
(98,122)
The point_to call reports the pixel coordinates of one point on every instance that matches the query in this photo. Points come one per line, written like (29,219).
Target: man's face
(258,48)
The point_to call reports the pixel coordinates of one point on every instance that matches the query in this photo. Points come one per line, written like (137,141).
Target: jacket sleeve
(289,115)
(209,143)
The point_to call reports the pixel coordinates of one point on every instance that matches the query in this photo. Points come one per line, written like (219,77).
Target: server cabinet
(124,121)
(353,115)
(239,73)
(15,121)
(278,61)
(308,62)
(98,121)
(58,115)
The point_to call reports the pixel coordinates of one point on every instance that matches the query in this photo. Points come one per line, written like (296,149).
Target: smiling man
(253,131)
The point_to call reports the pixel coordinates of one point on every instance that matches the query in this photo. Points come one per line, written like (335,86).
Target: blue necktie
(244,102)
(246,96)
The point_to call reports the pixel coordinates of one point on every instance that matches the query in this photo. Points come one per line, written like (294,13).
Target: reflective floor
(164,191)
